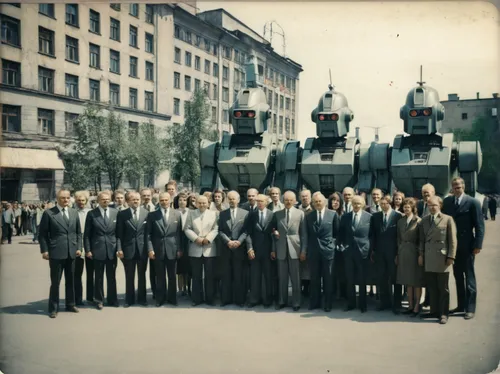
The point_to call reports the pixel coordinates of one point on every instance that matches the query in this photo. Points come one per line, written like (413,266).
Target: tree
(184,140)
(154,153)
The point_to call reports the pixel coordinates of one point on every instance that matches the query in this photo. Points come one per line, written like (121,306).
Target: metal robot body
(246,158)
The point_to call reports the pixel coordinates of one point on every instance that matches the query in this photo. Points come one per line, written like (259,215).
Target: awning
(26,158)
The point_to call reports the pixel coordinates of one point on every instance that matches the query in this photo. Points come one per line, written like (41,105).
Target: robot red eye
(413,113)
(237,114)
(427,111)
(334,117)
(321,117)
(251,114)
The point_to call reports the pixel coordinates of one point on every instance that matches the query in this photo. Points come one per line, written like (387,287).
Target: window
(72,14)
(287,103)
(215,92)
(206,87)
(207,67)
(45,41)
(188,37)
(227,52)
(225,73)
(187,58)
(148,98)
(216,69)
(46,9)
(293,85)
(187,83)
(207,45)
(236,55)
(95,90)
(114,32)
(177,32)
(133,66)
(115,6)
(134,9)
(197,63)
(293,106)
(276,100)
(287,127)
(114,94)
(197,41)
(225,94)
(293,126)
(235,95)
(149,13)
(11,73)
(274,123)
(11,118)
(71,49)
(133,129)
(215,49)
(69,124)
(114,63)
(133,36)
(45,80)
(197,84)
(281,125)
(464,116)
(94,56)
(71,85)
(282,79)
(225,115)
(132,98)
(149,43)
(177,107)
(282,101)
(149,71)
(177,80)
(95,21)
(177,55)
(214,114)
(45,122)
(270,99)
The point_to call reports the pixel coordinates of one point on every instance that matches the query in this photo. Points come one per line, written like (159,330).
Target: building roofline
(460,100)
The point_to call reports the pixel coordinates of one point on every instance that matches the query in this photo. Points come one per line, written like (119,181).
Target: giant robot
(424,155)
(246,158)
(328,162)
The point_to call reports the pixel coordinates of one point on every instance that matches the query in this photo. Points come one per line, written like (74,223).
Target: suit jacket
(307,210)
(55,236)
(372,209)
(99,238)
(422,209)
(437,242)
(207,228)
(469,221)
(322,239)
(259,236)
(273,208)
(236,231)
(130,236)
(163,236)
(359,237)
(8,217)
(385,241)
(293,236)
(246,206)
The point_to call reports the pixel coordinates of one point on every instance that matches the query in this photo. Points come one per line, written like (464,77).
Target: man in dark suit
(384,249)
(354,238)
(163,234)
(321,242)
(232,232)
(60,239)
(250,205)
(100,245)
(259,244)
(131,248)
(428,191)
(146,196)
(469,220)
(375,206)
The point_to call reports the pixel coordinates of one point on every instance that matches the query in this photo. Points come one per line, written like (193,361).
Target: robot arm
(374,167)
(470,159)
(209,154)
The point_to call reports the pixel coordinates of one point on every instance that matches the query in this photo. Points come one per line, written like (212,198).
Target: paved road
(215,340)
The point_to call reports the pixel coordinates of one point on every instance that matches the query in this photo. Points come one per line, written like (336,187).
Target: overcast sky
(375,51)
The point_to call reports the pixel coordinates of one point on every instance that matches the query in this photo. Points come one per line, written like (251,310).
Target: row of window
(11,34)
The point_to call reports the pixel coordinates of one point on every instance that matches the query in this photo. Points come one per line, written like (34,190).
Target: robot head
(332,115)
(250,112)
(423,113)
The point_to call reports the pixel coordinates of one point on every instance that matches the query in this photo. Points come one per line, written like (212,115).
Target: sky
(375,50)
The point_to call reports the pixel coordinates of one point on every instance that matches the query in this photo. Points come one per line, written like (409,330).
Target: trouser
(161,285)
(260,266)
(111,295)
(79,265)
(465,279)
(356,268)
(7,232)
(439,293)
(289,268)
(232,277)
(89,270)
(57,267)
(130,266)
(152,277)
(202,289)
(321,270)
(386,277)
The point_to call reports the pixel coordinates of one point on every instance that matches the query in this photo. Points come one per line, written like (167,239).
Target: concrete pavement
(232,340)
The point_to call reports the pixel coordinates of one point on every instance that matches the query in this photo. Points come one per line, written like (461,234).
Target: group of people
(247,254)
(20,219)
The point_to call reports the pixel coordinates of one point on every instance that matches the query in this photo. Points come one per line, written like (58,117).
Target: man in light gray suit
(290,238)
(163,235)
(201,229)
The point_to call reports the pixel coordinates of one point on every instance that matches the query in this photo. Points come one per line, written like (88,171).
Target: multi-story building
(58,57)
(210,51)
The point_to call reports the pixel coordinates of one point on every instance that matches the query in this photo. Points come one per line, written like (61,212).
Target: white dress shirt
(459,199)
(320,215)
(102,211)
(66,211)
(408,220)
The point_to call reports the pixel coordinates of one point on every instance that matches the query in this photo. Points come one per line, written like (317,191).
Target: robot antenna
(421,83)
(330,86)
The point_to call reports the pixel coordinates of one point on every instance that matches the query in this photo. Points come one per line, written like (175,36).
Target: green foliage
(184,140)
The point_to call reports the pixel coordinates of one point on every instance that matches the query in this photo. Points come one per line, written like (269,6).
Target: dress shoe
(159,304)
(210,304)
(296,308)
(279,306)
(194,304)
(428,315)
(348,308)
(72,309)
(126,305)
(241,305)
(53,314)
(266,306)
(407,311)
(416,314)
(396,311)
(144,303)
(363,310)
(380,308)
(443,320)
(312,307)
(173,303)
(327,310)
(80,303)
(457,310)
(100,306)
(469,315)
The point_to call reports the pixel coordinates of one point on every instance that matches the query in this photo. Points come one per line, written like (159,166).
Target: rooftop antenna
(269,26)
(421,83)
(331,86)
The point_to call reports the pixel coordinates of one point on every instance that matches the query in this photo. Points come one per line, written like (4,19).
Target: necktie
(377,208)
(432,220)
(66,219)
(354,221)
(287,216)
(232,216)
(146,206)
(261,218)
(457,202)
(165,214)
(319,218)
(135,216)
(105,217)
(385,220)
